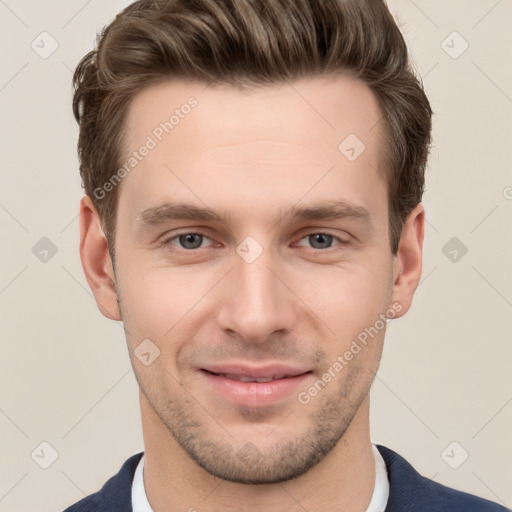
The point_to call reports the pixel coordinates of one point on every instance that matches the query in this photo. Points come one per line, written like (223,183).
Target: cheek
(349,295)
(158,303)
(350,306)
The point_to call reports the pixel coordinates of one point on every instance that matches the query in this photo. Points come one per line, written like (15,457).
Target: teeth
(248,379)
(229,376)
(241,378)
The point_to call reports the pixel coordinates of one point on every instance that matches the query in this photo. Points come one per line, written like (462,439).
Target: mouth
(254,387)
(251,378)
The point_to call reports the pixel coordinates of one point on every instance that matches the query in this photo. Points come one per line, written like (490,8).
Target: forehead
(327,107)
(229,147)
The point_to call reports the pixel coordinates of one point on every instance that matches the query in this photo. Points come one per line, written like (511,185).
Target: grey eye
(191,240)
(320,240)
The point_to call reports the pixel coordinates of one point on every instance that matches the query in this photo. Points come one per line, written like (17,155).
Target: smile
(256,388)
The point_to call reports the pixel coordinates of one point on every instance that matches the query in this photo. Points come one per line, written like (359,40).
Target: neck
(343,480)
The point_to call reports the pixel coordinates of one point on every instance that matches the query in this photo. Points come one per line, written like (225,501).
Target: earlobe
(96,260)
(407,263)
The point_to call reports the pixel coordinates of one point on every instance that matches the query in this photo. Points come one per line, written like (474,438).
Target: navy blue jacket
(408,491)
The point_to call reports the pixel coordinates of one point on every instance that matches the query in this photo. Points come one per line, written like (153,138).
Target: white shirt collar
(380,494)
(378,502)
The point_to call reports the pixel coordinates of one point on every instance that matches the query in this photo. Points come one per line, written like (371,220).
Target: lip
(254,394)
(261,371)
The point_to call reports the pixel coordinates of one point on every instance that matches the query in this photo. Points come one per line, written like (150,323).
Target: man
(253,174)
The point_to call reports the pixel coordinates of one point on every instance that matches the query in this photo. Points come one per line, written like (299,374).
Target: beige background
(445,376)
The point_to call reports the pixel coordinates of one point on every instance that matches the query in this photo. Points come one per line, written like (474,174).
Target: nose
(256,301)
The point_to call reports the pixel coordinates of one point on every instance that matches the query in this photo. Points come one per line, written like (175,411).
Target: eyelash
(167,241)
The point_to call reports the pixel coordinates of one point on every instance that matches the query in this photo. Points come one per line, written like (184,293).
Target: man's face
(266,292)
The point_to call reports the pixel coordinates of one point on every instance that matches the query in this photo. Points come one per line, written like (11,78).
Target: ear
(96,260)
(407,263)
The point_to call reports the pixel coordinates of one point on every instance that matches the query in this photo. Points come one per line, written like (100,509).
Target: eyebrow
(330,210)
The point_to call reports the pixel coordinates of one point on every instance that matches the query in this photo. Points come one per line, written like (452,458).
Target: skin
(254,154)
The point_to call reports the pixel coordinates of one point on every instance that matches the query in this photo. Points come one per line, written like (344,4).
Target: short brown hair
(251,42)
